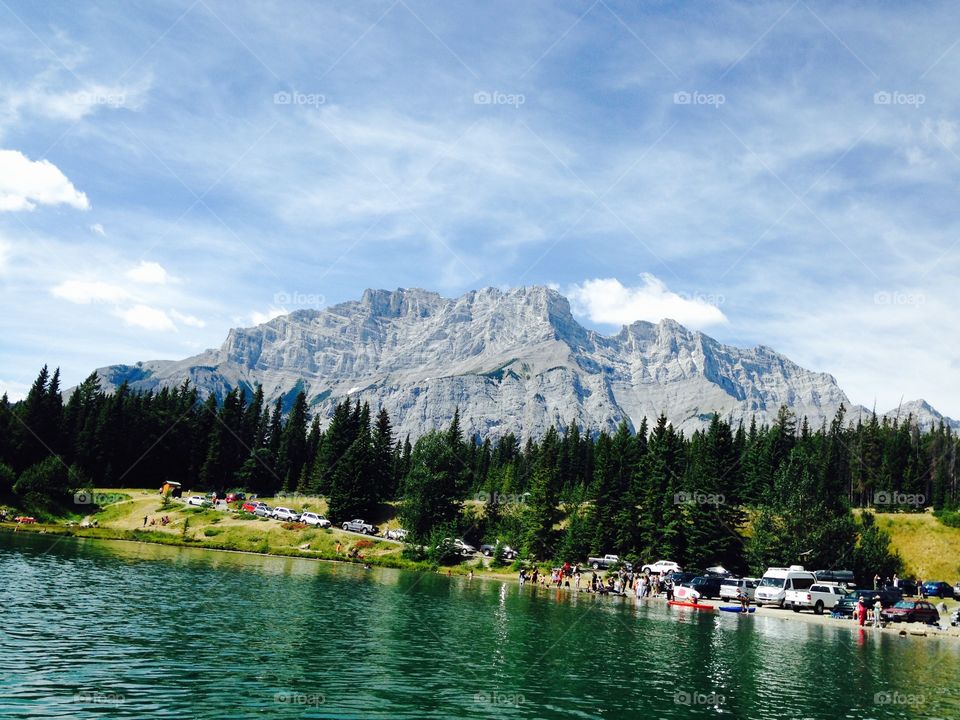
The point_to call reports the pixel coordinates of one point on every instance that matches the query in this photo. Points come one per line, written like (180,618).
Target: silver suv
(731,587)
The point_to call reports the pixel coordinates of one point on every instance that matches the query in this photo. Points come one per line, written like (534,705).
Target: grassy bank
(123,519)
(929,548)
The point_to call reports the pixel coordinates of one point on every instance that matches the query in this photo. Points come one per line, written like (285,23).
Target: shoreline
(908,630)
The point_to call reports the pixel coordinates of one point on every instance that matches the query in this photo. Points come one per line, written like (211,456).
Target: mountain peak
(512,360)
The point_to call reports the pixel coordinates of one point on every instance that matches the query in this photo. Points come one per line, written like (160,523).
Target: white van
(773,586)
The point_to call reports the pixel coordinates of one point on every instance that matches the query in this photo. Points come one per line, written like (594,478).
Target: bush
(441,550)
(45,487)
(7,479)
(950,518)
(413,552)
(211,532)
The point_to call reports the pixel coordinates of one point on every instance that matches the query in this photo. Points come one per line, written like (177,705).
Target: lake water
(111,629)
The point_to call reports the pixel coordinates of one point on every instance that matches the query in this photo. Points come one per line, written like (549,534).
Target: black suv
(681,578)
(848,603)
(707,586)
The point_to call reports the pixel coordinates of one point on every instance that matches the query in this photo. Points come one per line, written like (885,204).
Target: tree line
(745,497)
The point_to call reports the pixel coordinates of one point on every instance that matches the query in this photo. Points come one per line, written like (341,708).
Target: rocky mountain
(512,360)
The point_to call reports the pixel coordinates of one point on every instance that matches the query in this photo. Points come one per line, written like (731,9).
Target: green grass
(929,548)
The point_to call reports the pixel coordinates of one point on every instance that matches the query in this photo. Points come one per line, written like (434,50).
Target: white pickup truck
(816,597)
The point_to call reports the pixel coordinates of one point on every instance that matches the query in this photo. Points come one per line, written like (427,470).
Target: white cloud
(149,273)
(73,105)
(84,292)
(146,317)
(13,390)
(97,229)
(258,318)
(608,301)
(4,256)
(185,319)
(25,183)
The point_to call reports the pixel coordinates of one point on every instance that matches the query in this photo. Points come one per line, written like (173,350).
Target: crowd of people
(618,582)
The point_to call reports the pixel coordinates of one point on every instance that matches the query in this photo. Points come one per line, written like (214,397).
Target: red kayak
(697,606)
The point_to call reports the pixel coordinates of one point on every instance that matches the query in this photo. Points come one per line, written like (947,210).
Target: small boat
(697,606)
(736,609)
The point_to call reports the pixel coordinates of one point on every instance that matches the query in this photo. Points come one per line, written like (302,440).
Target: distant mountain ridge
(513,360)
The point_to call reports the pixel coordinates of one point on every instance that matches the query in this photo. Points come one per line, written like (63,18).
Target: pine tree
(541,512)
(293,444)
(382,458)
(431,496)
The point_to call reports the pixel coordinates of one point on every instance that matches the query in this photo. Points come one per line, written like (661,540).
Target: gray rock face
(512,360)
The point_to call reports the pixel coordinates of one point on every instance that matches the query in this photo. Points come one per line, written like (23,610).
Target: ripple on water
(125,630)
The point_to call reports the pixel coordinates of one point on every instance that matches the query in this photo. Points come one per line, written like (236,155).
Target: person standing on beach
(861,612)
(877,607)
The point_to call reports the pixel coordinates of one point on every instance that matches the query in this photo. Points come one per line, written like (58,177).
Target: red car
(911,611)
(235,497)
(250,505)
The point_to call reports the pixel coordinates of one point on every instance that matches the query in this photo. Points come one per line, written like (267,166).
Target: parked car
(937,588)
(286,514)
(681,578)
(776,581)
(730,588)
(848,603)
(359,526)
(911,611)
(311,518)
(464,548)
(707,586)
(508,552)
(198,501)
(661,567)
(908,587)
(719,571)
(606,561)
(251,506)
(263,510)
(235,497)
(816,597)
(840,577)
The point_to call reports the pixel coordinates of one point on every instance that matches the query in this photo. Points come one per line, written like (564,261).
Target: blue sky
(780,173)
